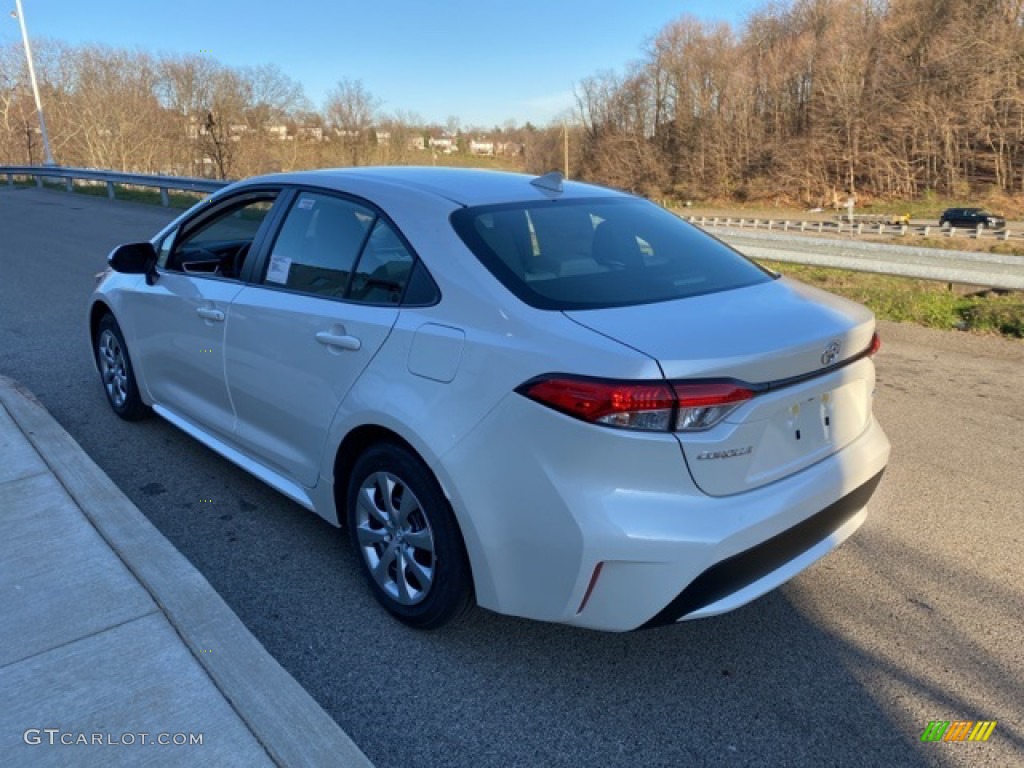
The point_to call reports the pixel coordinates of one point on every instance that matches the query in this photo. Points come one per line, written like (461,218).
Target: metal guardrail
(111,179)
(987,270)
(809,242)
(772,242)
(864,224)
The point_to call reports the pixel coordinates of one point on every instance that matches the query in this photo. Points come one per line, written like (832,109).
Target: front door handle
(210,314)
(351,343)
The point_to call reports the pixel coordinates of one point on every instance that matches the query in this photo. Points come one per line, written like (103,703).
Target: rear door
(300,335)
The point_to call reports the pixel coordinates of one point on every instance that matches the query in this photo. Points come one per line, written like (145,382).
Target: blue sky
(482,61)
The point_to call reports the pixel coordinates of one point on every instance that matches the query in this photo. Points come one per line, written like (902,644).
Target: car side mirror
(134,259)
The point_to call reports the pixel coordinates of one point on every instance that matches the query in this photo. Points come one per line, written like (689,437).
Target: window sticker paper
(280,266)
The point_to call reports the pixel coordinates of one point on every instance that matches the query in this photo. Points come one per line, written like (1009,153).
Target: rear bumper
(764,538)
(734,575)
(539,518)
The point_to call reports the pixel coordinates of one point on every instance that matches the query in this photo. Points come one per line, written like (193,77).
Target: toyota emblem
(830,354)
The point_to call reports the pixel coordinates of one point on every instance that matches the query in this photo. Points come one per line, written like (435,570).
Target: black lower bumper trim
(742,569)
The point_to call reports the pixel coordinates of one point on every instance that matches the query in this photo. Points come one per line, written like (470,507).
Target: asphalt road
(919,617)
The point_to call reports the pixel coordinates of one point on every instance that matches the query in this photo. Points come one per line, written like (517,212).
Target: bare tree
(116,110)
(351,111)
(12,96)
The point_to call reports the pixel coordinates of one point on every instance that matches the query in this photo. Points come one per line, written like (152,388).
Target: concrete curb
(288,723)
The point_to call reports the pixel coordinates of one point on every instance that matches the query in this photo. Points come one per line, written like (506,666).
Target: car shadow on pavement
(761,686)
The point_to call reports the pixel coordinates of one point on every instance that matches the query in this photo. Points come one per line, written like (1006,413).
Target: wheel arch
(97,311)
(357,441)
(352,446)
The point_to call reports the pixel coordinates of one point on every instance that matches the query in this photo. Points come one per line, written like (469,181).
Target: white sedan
(551,399)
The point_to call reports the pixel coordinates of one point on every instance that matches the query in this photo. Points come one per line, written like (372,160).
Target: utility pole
(19,14)
(565,147)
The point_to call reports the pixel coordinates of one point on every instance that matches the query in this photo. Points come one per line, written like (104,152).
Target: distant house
(314,132)
(383,137)
(279,132)
(445,144)
(417,142)
(481,147)
(198,127)
(508,148)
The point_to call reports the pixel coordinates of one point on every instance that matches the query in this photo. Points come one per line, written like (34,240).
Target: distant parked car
(560,400)
(971,218)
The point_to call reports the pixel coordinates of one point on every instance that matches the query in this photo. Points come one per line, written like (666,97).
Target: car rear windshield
(599,252)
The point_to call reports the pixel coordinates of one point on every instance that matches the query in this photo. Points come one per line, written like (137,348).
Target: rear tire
(406,538)
(116,372)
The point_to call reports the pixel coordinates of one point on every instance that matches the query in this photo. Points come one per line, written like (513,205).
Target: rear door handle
(351,343)
(210,314)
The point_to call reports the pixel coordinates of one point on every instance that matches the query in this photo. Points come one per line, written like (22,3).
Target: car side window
(164,248)
(384,268)
(340,249)
(318,245)
(219,245)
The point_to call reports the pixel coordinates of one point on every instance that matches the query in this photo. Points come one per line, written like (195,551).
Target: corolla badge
(728,454)
(830,354)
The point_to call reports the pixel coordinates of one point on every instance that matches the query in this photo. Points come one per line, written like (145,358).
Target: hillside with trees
(807,102)
(191,115)
(816,99)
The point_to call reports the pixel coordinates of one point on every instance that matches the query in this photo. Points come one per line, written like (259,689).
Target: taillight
(632,405)
(702,405)
(876,344)
(650,406)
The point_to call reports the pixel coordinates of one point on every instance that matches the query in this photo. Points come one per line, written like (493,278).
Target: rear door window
(383,269)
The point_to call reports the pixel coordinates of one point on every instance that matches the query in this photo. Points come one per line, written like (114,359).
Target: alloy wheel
(395,538)
(113,369)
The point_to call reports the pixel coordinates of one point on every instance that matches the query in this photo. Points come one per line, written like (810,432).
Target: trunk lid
(766,335)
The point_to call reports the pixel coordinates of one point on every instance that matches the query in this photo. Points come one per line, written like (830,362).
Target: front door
(180,319)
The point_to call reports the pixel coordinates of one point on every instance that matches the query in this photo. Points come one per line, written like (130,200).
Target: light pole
(565,146)
(19,14)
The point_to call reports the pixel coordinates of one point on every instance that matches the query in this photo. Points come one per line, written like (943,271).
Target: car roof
(465,186)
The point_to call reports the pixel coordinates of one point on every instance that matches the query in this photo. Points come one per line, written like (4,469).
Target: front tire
(116,372)
(406,538)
